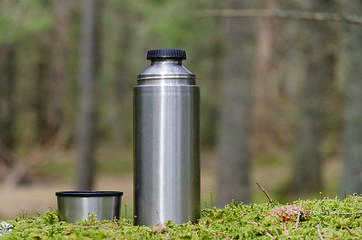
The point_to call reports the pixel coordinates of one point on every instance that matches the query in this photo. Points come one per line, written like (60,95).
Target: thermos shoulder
(165,70)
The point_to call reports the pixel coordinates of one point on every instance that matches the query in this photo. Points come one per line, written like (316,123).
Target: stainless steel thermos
(166,141)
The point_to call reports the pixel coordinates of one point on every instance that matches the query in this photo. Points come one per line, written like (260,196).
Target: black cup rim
(88,193)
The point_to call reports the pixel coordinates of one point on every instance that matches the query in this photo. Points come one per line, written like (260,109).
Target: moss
(327,218)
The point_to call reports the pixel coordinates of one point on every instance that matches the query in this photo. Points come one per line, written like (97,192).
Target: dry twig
(115,222)
(334,213)
(264,191)
(275,229)
(296,224)
(319,232)
(286,232)
(352,233)
(268,234)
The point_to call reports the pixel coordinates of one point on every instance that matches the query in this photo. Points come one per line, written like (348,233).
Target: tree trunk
(51,74)
(235,123)
(57,68)
(126,37)
(41,94)
(320,73)
(352,134)
(264,94)
(7,102)
(7,87)
(89,63)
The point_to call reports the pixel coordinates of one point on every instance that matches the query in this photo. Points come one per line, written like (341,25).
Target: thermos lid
(166,53)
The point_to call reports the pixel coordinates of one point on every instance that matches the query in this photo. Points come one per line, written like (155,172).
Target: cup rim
(88,193)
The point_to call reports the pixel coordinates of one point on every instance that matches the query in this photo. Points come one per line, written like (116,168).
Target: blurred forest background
(280,96)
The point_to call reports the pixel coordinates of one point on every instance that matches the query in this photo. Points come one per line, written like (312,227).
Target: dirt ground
(39,197)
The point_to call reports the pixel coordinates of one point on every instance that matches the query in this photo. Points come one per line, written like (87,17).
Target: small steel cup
(74,206)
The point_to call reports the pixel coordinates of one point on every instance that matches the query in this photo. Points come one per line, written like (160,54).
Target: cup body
(74,206)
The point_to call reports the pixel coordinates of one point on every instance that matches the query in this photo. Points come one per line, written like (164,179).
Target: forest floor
(39,196)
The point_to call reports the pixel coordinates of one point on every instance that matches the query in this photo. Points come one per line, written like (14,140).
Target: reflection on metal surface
(74,206)
(166,144)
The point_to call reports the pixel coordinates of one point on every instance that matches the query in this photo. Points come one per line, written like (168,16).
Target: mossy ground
(327,219)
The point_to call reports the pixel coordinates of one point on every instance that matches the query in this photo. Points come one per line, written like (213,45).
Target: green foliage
(327,218)
(21,19)
(172,23)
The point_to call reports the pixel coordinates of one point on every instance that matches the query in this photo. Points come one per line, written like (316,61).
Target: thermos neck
(166,61)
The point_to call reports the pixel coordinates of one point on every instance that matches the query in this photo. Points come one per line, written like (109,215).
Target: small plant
(5,227)
(92,217)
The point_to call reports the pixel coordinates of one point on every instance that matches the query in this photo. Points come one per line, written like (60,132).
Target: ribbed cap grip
(166,53)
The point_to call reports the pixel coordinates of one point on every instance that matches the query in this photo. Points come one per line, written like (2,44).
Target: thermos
(166,141)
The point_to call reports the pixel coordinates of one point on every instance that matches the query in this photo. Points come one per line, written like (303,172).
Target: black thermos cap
(166,53)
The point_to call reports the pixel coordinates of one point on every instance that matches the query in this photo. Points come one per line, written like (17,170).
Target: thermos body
(166,142)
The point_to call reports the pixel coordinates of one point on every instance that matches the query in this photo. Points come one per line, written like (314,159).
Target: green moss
(327,218)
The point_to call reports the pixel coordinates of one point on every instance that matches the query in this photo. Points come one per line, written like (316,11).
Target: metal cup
(74,206)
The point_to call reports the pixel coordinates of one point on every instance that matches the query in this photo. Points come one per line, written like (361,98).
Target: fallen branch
(284,14)
(264,191)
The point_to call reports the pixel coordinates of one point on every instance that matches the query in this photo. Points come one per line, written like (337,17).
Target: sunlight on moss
(327,218)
